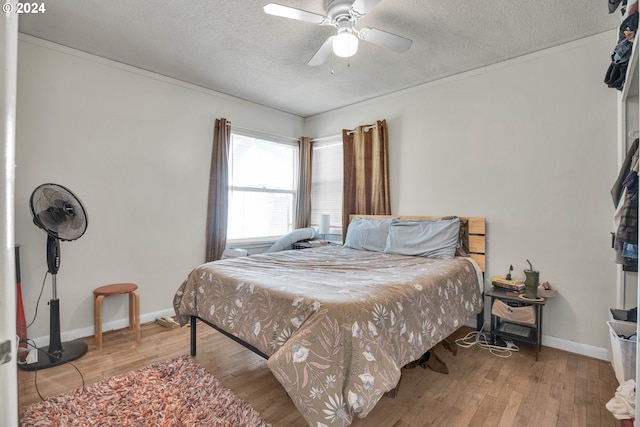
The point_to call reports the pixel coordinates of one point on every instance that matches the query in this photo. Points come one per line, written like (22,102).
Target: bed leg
(193,336)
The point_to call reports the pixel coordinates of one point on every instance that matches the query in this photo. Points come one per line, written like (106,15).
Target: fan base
(70,351)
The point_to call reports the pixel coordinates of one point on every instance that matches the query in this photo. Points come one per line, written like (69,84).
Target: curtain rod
(366,128)
(350,132)
(262,132)
(322,138)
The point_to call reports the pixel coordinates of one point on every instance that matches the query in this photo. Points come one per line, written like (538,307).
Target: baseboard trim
(578,348)
(566,345)
(107,326)
(549,341)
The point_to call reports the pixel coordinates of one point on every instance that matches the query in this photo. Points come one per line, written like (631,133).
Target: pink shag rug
(177,392)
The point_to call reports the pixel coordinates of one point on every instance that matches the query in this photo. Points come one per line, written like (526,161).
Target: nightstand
(508,329)
(302,245)
(308,245)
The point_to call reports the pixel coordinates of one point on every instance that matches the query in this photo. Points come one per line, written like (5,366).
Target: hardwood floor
(561,389)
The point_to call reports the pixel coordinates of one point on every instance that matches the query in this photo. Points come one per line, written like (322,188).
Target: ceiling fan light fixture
(343,15)
(345,44)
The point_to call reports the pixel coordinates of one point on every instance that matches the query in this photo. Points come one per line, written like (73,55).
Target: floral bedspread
(337,323)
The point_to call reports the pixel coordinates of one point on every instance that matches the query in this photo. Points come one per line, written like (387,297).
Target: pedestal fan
(60,213)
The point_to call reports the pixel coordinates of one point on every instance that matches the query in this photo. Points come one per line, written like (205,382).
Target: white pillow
(367,234)
(428,238)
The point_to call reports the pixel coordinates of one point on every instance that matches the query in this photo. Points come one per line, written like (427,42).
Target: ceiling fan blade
(362,7)
(384,39)
(323,53)
(293,13)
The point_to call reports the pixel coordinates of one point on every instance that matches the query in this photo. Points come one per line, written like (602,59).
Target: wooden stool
(134,307)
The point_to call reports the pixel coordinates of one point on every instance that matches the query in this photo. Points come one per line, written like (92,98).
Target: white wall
(531,145)
(135,147)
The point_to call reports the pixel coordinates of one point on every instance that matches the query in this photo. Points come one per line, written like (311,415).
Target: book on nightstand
(514,285)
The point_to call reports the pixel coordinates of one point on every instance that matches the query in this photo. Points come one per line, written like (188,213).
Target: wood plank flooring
(560,389)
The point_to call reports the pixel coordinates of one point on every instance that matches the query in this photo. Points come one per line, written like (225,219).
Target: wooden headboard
(477,232)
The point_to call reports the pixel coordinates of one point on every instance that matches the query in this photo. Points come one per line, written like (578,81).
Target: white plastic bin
(623,351)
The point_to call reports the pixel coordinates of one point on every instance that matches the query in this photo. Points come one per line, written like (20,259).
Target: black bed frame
(194,321)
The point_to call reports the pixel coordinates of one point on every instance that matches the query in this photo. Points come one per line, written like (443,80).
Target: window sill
(250,243)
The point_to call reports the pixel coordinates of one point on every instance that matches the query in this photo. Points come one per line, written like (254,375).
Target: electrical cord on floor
(32,343)
(35,371)
(480,339)
(35,315)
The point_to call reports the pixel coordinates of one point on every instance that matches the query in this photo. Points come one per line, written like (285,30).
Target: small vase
(531,279)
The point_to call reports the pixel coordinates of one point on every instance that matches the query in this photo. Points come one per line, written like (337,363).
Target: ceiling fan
(343,15)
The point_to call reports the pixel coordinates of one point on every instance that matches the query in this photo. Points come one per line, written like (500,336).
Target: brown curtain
(217,208)
(366,172)
(303,202)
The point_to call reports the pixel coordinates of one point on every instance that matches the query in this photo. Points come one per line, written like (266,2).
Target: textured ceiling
(233,47)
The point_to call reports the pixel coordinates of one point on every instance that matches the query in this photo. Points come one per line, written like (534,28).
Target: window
(262,188)
(326,182)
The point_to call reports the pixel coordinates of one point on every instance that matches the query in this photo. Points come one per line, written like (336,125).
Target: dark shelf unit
(509,330)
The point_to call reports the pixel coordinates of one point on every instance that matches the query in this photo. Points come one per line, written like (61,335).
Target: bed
(337,323)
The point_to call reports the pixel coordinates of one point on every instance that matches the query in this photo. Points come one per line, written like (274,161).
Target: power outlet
(32,357)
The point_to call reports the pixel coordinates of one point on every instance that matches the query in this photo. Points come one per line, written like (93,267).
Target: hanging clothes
(616,73)
(613,5)
(616,190)
(626,214)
